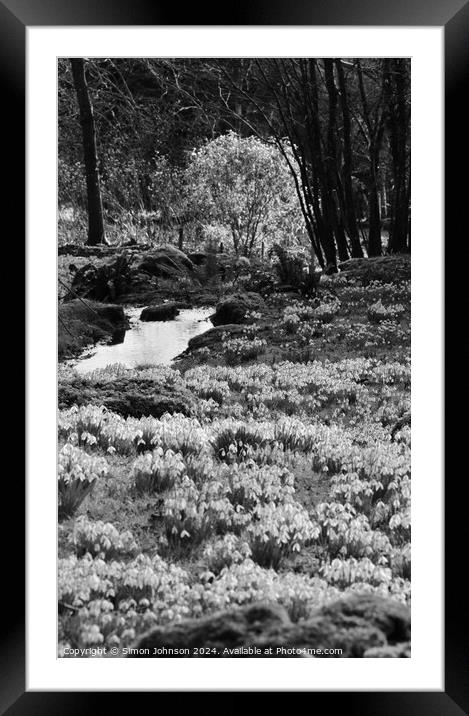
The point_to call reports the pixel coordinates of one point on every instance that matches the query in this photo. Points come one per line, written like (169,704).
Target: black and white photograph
(234,357)
(235,255)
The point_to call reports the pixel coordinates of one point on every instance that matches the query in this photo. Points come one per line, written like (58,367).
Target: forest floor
(271,461)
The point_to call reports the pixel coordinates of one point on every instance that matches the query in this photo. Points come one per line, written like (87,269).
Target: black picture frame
(15,17)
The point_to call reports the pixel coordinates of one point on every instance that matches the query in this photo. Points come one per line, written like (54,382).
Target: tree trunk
(374,231)
(325,221)
(374,121)
(93,189)
(351,217)
(396,79)
(331,163)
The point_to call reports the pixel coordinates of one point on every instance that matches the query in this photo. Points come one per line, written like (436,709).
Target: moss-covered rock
(358,625)
(83,322)
(212,337)
(166,261)
(160,312)
(235,308)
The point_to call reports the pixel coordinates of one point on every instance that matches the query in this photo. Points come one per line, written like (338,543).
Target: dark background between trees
(127,128)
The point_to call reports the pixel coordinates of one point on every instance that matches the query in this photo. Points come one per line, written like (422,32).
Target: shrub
(293,271)
(243,185)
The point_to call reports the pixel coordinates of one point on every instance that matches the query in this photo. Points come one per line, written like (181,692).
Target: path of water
(156,342)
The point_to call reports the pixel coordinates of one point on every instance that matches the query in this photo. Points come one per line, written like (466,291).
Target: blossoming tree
(243,187)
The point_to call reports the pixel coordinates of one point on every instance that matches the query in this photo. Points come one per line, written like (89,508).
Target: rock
(399,651)
(105,282)
(160,312)
(360,625)
(166,261)
(390,616)
(114,314)
(140,278)
(234,309)
(212,336)
(228,630)
(82,322)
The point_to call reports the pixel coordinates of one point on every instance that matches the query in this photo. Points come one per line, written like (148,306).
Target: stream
(153,342)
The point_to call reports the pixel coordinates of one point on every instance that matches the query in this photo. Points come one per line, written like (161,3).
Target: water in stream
(156,342)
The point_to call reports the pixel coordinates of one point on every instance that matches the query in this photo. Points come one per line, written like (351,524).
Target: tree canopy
(339,127)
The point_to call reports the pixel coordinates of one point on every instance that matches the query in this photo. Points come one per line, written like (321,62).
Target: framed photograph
(221,364)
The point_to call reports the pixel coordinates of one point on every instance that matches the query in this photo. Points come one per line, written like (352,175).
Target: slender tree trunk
(374,216)
(351,217)
(375,129)
(331,163)
(396,81)
(374,231)
(325,221)
(93,189)
(408,228)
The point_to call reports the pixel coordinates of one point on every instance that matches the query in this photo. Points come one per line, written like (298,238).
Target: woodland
(249,489)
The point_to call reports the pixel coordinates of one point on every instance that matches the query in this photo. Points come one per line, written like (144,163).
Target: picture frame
(16,16)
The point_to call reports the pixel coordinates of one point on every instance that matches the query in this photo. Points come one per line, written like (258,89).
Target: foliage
(293,271)
(244,185)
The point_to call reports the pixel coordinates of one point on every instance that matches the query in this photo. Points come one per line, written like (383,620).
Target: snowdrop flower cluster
(76,475)
(101,539)
(285,483)
(237,350)
(225,551)
(377,312)
(157,471)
